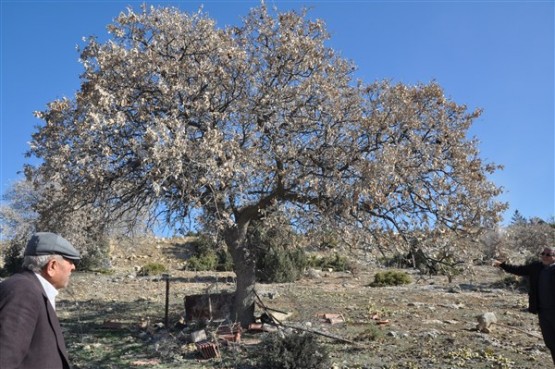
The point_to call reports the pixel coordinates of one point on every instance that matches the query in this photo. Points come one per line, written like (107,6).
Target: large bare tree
(180,117)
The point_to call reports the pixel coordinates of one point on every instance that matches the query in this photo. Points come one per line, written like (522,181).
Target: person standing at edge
(30,333)
(541,291)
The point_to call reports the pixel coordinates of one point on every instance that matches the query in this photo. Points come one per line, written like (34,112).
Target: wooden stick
(322,334)
(261,304)
(520,330)
(269,308)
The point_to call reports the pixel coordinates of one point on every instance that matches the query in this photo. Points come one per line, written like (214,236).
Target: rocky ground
(116,320)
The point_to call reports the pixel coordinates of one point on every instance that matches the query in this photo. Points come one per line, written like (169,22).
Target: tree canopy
(176,115)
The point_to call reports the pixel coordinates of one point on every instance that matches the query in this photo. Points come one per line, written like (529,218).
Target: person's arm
(18,318)
(520,270)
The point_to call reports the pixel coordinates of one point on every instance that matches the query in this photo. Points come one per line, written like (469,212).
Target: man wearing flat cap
(30,333)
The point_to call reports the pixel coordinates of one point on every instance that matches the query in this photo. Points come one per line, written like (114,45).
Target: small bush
(398,260)
(390,278)
(95,255)
(277,261)
(203,245)
(279,265)
(202,263)
(443,264)
(209,256)
(225,261)
(512,282)
(293,351)
(152,269)
(335,262)
(372,333)
(13,258)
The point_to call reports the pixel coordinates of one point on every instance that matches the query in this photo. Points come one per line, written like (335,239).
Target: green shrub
(13,258)
(205,262)
(152,269)
(276,260)
(371,333)
(103,271)
(390,278)
(95,255)
(203,245)
(335,262)
(279,265)
(209,256)
(294,351)
(442,264)
(225,261)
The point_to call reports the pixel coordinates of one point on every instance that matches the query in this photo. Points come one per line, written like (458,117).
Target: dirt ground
(116,320)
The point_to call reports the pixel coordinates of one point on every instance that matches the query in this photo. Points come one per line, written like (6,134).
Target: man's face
(58,271)
(548,256)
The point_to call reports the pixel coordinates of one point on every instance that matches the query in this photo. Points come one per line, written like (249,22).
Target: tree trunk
(243,304)
(244,267)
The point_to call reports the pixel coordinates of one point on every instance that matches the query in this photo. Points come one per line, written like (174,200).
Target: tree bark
(243,304)
(244,266)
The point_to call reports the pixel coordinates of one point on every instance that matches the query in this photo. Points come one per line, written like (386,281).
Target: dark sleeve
(521,270)
(18,318)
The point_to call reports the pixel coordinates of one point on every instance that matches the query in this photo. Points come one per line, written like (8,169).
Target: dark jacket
(532,271)
(30,333)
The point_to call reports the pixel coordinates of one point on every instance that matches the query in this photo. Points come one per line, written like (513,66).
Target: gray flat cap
(46,243)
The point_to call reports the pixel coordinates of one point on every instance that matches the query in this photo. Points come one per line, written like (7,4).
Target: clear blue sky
(496,55)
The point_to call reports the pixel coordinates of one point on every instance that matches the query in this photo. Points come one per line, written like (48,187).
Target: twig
(323,334)
(271,309)
(261,304)
(520,330)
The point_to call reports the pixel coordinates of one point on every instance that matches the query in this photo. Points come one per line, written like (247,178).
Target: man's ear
(50,267)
